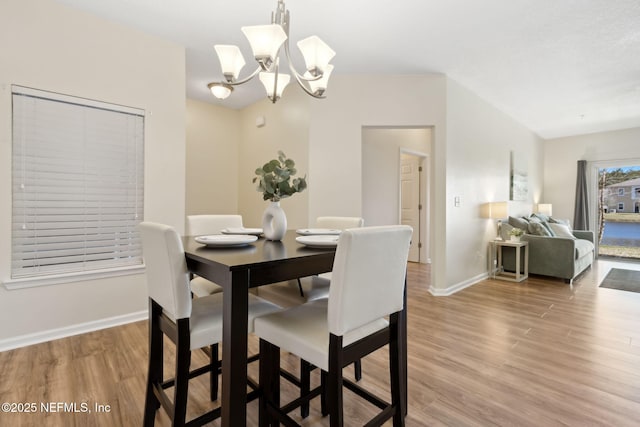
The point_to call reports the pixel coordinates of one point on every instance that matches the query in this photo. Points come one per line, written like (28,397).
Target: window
(636,192)
(620,191)
(77,185)
(620,206)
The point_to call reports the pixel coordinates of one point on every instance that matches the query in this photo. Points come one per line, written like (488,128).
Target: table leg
(234,350)
(517,276)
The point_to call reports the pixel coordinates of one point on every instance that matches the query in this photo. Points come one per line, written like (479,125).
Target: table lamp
(545,208)
(496,210)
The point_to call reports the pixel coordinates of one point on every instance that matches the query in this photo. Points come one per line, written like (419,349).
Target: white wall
(213,135)
(286,129)
(48,46)
(561,156)
(479,140)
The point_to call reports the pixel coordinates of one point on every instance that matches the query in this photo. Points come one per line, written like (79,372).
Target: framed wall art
(518,179)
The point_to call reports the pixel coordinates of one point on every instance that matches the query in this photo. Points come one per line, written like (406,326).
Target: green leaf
(275,179)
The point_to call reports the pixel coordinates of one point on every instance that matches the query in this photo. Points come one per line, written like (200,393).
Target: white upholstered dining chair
(368,284)
(201,225)
(190,323)
(339,222)
(318,286)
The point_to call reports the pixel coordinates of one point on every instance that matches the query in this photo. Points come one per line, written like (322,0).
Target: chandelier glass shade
(267,42)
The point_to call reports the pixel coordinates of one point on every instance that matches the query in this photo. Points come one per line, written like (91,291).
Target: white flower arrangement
(515,231)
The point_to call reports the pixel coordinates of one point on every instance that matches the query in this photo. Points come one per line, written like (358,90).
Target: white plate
(221,240)
(318,241)
(318,231)
(242,230)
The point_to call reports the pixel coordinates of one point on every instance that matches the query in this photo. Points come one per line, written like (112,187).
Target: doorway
(382,183)
(618,210)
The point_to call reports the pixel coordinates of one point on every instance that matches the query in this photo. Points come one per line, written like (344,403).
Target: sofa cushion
(583,247)
(561,230)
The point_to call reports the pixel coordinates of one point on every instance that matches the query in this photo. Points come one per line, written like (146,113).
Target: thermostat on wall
(260,121)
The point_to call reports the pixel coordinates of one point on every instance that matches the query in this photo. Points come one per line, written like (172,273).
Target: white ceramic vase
(274,222)
(515,238)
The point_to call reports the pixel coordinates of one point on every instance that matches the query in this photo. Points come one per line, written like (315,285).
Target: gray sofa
(561,257)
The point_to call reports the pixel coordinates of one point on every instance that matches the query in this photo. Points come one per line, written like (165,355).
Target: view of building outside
(619,212)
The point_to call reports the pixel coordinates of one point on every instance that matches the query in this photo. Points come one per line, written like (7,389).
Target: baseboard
(458,286)
(67,331)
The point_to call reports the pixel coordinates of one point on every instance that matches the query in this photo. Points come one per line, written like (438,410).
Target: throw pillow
(518,222)
(535,220)
(504,231)
(538,229)
(542,217)
(560,221)
(561,230)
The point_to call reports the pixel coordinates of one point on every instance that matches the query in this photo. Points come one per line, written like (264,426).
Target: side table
(499,273)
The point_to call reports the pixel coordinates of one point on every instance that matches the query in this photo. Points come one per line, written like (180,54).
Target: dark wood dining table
(237,270)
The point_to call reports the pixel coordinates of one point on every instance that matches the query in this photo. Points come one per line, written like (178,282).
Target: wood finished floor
(540,353)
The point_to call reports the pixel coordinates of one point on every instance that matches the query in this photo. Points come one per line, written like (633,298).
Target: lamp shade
(265,41)
(320,85)
(545,208)
(316,53)
(495,210)
(231,60)
(269,82)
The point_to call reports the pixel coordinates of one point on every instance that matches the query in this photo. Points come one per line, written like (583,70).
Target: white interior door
(410,204)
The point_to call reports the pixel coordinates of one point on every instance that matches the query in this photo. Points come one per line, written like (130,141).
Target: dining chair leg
(214,374)
(305,386)
(357,368)
(300,288)
(395,372)
(183,362)
(334,382)
(154,376)
(323,396)
(269,377)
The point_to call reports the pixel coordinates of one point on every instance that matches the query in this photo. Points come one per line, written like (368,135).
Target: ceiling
(559,67)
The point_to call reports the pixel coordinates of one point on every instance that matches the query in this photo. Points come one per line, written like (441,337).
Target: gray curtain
(581,211)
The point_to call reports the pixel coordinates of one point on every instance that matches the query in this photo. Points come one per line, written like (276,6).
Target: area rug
(624,280)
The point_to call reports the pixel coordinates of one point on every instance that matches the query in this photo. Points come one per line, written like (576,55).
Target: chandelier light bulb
(265,41)
(316,53)
(231,60)
(273,81)
(319,86)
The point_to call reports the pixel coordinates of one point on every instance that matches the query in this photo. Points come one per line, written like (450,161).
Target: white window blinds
(77,184)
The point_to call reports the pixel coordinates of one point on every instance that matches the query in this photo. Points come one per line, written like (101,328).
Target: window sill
(31,282)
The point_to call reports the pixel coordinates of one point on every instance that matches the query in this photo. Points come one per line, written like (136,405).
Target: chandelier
(266,42)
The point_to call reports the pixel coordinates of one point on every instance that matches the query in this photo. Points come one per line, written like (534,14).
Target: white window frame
(99,237)
(620,206)
(620,191)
